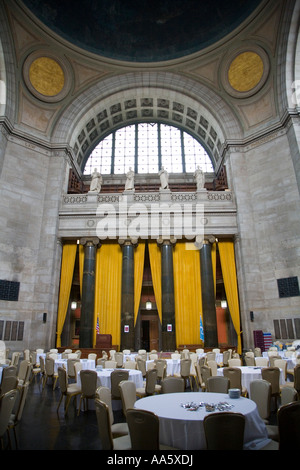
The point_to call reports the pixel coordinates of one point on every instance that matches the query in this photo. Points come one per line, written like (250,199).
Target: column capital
(128,241)
(209,240)
(166,241)
(89,241)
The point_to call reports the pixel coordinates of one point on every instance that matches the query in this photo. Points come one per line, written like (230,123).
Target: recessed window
(145,148)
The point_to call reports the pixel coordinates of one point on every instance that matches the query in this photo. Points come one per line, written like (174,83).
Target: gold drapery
(139,258)
(226,250)
(108,287)
(155,265)
(66,277)
(187,293)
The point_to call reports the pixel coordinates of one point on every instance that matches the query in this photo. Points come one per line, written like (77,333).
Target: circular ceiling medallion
(46,77)
(245,72)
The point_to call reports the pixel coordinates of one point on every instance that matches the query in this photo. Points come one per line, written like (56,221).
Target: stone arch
(145,96)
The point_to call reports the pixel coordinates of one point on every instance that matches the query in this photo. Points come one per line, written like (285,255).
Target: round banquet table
(86,363)
(183,429)
(104,377)
(250,373)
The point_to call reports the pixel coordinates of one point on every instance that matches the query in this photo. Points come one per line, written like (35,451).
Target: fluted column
(208,297)
(127,300)
(167,295)
(88,292)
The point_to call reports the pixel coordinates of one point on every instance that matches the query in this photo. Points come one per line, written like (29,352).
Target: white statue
(200,178)
(129,185)
(96,182)
(164,178)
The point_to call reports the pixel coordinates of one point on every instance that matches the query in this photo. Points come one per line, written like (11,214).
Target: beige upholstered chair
(151,387)
(50,372)
(144,430)
(288,418)
(128,394)
(257,352)
(24,372)
(260,393)
(272,360)
(205,373)
(119,358)
(130,364)
(16,415)
(210,356)
(7,403)
(117,429)
(9,371)
(88,379)
(217,384)
(67,390)
(272,375)
(213,367)
(226,357)
(185,371)
(71,368)
(224,431)
(199,379)
(172,385)
(262,361)
(161,367)
(235,362)
(92,357)
(234,374)
(249,361)
(116,377)
(110,364)
(104,429)
(288,395)
(8,383)
(141,365)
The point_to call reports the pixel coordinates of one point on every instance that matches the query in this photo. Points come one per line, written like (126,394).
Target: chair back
(161,366)
(226,357)
(128,394)
(172,385)
(78,367)
(15,359)
(257,352)
(23,369)
(210,356)
(8,383)
(126,351)
(112,353)
(22,401)
(42,364)
(235,362)
(88,380)
(213,367)
(104,394)
(10,371)
(234,374)
(153,356)
(260,393)
(116,377)
(224,431)
(249,361)
(288,395)
(288,418)
(144,429)
(7,402)
(129,365)
(104,425)
(49,366)
(62,379)
(119,359)
(205,373)
(272,375)
(282,364)
(217,384)
(151,378)
(262,361)
(141,365)
(110,364)
(92,356)
(272,360)
(175,356)
(71,367)
(297,378)
(185,367)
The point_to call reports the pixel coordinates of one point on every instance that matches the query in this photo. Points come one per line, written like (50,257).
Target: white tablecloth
(104,377)
(251,373)
(184,430)
(86,363)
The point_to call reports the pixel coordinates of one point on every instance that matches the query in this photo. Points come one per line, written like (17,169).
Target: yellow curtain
(187,293)
(214,263)
(66,277)
(226,250)
(108,286)
(155,265)
(81,263)
(139,257)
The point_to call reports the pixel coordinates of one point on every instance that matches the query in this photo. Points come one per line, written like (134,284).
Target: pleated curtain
(66,277)
(227,259)
(187,293)
(139,258)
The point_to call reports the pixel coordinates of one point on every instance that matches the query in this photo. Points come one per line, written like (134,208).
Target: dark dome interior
(143,30)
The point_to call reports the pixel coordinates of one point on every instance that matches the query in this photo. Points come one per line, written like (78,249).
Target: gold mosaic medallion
(46,76)
(245,71)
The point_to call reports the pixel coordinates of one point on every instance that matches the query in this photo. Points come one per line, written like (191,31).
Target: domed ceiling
(142,30)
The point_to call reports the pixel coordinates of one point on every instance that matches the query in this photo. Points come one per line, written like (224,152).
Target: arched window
(146,147)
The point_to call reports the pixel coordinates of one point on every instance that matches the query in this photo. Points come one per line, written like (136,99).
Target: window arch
(146,147)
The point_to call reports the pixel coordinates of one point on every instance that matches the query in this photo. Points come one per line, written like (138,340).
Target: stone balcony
(147,214)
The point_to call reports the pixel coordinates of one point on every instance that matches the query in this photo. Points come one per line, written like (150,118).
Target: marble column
(127,299)
(208,297)
(88,292)
(167,294)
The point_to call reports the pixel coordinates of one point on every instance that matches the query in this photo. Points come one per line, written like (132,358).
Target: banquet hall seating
(257,352)
(272,375)
(213,367)
(8,383)
(234,362)
(71,368)
(68,391)
(119,358)
(226,357)
(50,372)
(172,385)
(78,367)
(16,415)
(224,431)
(110,364)
(112,353)
(260,393)
(288,394)
(216,350)
(199,380)
(175,356)
(141,365)
(205,373)
(101,362)
(161,367)
(144,430)
(210,356)
(15,358)
(104,430)
(281,364)
(199,351)
(104,355)
(115,378)
(7,403)
(249,361)
(234,374)
(126,351)
(153,356)
(217,384)
(150,387)
(128,394)
(117,429)
(88,379)
(9,371)
(261,361)
(288,417)
(185,371)
(129,364)
(272,360)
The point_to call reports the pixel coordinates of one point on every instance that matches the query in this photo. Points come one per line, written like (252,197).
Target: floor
(42,428)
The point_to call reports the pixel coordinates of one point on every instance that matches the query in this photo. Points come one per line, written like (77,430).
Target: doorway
(150,332)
